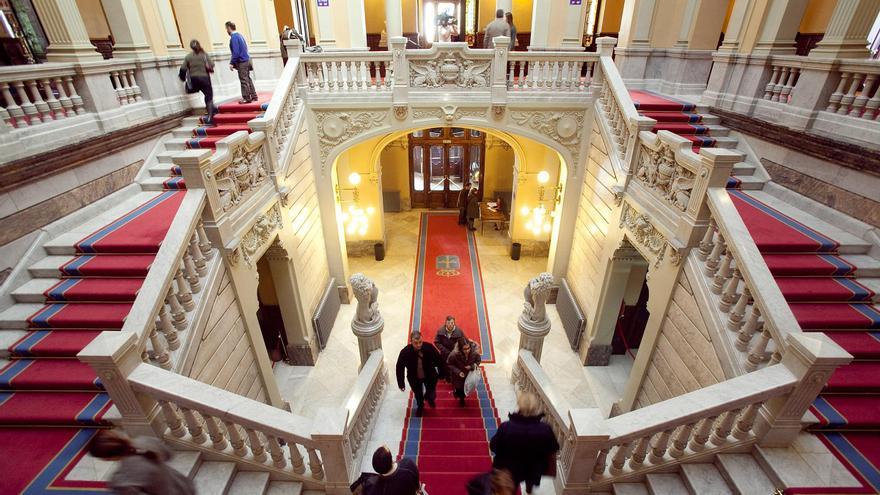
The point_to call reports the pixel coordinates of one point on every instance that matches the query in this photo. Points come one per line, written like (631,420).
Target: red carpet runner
(450,443)
(50,403)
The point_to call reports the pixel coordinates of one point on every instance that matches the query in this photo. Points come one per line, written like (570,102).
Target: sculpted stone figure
(536,293)
(367,295)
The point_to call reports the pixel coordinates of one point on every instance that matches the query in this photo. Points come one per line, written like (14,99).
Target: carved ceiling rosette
(264,229)
(564,127)
(450,68)
(658,171)
(646,238)
(335,127)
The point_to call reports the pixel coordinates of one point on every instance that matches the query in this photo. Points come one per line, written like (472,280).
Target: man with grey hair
(423,365)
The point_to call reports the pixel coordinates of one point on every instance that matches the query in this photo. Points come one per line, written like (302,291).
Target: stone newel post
(367,323)
(533,323)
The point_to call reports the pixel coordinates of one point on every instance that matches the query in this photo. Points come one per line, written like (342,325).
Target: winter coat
(473,206)
(147,473)
(459,363)
(403,481)
(523,445)
(446,344)
(408,360)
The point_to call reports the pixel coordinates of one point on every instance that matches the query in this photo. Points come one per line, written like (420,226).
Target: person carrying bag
(196,73)
(463,361)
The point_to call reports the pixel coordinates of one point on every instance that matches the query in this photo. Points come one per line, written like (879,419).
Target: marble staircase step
(284,488)
(743,169)
(154,183)
(704,479)
(249,483)
(15,317)
(666,484)
(630,489)
(866,266)
(717,130)
(166,157)
(176,144)
(186,462)
(848,242)
(48,267)
(787,467)
(182,132)
(214,478)
(7,338)
(32,290)
(743,474)
(725,142)
(750,182)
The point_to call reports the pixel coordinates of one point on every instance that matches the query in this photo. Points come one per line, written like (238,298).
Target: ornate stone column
(540,31)
(127,27)
(781,21)
(357,24)
(367,323)
(533,323)
(393,18)
(846,34)
(636,24)
(68,38)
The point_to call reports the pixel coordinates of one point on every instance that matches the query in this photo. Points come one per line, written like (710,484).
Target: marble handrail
(363,401)
(531,377)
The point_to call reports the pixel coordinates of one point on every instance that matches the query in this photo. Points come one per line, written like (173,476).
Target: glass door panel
(475,159)
(418,161)
(454,169)
(437,168)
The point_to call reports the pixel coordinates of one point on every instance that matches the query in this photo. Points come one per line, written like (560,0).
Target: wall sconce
(354,179)
(355,218)
(539,220)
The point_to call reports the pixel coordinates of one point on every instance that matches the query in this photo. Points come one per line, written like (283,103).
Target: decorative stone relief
(498,111)
(263,229)
(428,113)
(647,239)
(561,126)
(337,127)
(450,69)
(246,172)
(367,295)
(400,111)
(658,170)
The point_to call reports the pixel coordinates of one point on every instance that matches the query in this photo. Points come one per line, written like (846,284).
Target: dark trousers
(470,223)
(424,389)
(248,92)
(462,216)
(203,84)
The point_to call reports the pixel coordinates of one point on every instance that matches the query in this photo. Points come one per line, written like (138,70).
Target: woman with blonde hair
(525,445)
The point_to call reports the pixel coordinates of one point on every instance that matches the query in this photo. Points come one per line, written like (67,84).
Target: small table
(488,214)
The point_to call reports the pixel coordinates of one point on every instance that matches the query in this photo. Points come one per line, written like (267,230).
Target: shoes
(244,101)
(419,411)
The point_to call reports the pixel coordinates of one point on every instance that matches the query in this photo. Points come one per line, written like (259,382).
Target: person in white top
(446,30)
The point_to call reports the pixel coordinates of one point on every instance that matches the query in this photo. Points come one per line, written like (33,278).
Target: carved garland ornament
(641,230)
(450,69)
(658,170)
(246,172)
(449,113)
(337,127)
(563,127)
(263,229)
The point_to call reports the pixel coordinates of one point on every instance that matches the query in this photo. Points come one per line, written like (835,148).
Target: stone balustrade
(41,94)
(125,85)
(858,92)
(363,402)
(550,71)
(345,72)
(783,79)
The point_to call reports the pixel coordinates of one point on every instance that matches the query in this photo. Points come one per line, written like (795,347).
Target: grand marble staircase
(224,478)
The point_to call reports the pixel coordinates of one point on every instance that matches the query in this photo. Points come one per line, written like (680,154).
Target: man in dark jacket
(524,444)
(447,336)
(473,208)
(423,365)
(462,203)
(394,478)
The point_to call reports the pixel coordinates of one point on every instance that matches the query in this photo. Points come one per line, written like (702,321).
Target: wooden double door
(441,161)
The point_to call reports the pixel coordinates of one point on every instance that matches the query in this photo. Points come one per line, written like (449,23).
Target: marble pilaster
(848,29)
(393,18)
(781,21)
(64,26)
(127,26)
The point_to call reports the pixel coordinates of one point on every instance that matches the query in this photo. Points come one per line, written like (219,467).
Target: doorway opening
(631,320)
(269,314)
(441,161)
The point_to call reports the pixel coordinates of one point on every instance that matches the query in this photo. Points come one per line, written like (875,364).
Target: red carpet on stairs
(824,296)
(673,115)
(450,444)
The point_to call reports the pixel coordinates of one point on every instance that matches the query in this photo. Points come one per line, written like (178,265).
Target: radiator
(391,200)
(573,321)
(325,313)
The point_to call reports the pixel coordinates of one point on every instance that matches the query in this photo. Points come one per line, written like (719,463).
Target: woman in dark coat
(473,208)
(462,360)
(524,444)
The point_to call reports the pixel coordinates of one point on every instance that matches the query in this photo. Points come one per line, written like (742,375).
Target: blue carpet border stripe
(42,483)
(41,319)
(87,245)
(482,317)
(870,312)
(859,462)
(841,266)
(12,371)
(24,347)
(831,415)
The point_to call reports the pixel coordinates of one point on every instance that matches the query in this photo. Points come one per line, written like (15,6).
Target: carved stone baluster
(698,441)
(191,273)
(768,89)
(55,105)
(172,419)
(194,426)
(117,86)
(661,444)
(41,106)
(618,460)
(708,241)
(359,74)
(315,465)
(724,427)
(160,352)
(16,113)
(350,73)
(639,452)
(74,97)
(63,98)
(746,421)
(735,319)
(730,293)
(167,328)
(834,99)
(204,243)
(789,84)
(775,357)
(218,439)
(197,257)
(599,468)
(715,256)
(145,357)
(276,453)
(780,83)
(872,106)
(758,353)
(256,443)
(235,439)
(184,296)
(848,98)
(723,273)
(29,108)
(178,315)
(296,458)
(858,105)
(680,441)
(753,324)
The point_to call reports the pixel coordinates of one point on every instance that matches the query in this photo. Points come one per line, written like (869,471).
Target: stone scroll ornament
(564,127)
(336,127)
(263,229)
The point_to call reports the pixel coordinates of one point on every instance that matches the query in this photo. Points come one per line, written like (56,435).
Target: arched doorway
(441,161)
